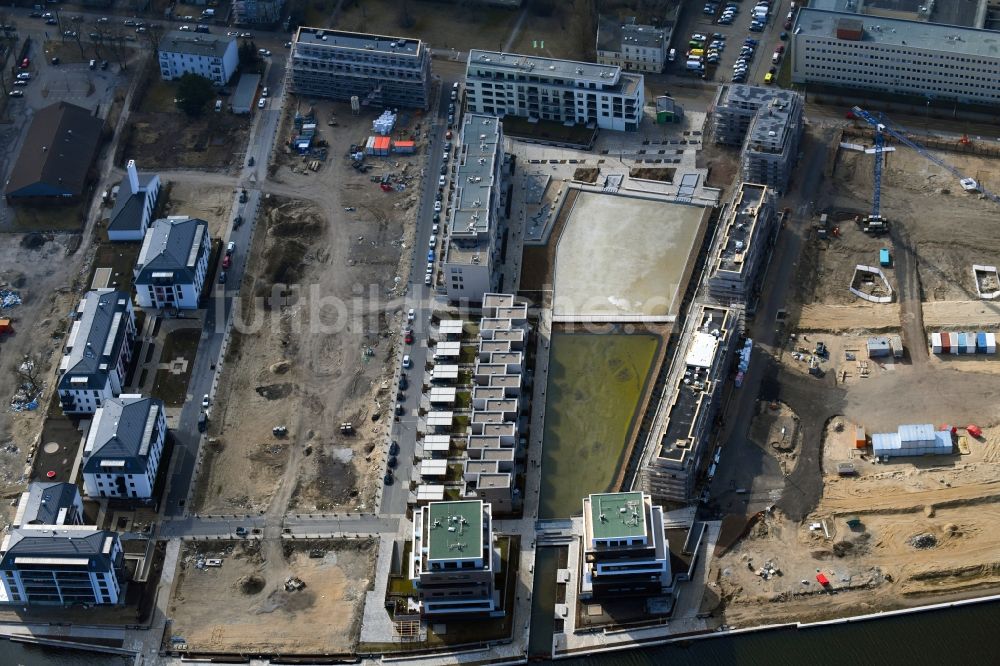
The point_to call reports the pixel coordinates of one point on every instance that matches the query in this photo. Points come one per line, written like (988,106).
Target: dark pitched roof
(61,542)
(121,432)
(97,340)
(127,213)
(57,152)
(45,500)
(172,245)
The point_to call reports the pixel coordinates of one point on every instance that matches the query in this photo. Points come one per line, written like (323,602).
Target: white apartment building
(97,351)
(173,263)
(878,54)
(585,93)
(214,57)
(134,205)
(471,258)
(625,549)
(634,47)
(122,449)
(749,229)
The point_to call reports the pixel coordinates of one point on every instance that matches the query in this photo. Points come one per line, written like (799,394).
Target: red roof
(822,580)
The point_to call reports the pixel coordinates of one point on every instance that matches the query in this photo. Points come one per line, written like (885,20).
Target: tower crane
(882,127)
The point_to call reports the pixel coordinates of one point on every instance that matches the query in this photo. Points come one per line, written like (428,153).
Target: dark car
(444,169)
(387,479)
(104,64)
(237,221)
(222,277)
(399,410)
(202,422)
(403,383)
(393,448)
(391,462)
(55,61)
(35,15)
(437,218)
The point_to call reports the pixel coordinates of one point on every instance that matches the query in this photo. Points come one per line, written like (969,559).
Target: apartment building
(625,549)
(584,93)
(379,70)
(122,449)
(453,563)
(767,123)
(134,205)
(492,443)
(173,263)
(471,260)
(212,56)
(749,228)
(50,558)
(876,54)
(631,46)
(685,419)
(97,351)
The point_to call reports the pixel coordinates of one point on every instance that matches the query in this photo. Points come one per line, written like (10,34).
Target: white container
(991,343)
(936,343)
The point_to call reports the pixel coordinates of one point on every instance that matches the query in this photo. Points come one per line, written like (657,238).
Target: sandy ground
(307,366)
(38,266)
(211,203)
(243,606)
(775,429)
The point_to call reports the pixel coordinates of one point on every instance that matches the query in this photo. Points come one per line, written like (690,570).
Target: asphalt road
(187,439)
(420,297)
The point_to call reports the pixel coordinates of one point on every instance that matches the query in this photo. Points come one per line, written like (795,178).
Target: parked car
(227,261)
(16,93)
(202,422)
(410,314)
(408,336)
(231,247)
(442,180)
(261,102)
(204,402)
(437,206)
(428,279)
(222,277)
(393,448)
(407,363)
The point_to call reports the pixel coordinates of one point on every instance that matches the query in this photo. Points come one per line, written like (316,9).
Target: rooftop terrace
(455,530)
(617,516)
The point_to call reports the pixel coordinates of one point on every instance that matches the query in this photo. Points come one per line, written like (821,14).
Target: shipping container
(945,343)
(991,343)
(970,342)
(404,147)
(936,343)
(981,342)
(961,343)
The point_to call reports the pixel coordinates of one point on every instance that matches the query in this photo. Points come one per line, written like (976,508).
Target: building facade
(378,70)
(97,351)
(685,421)
(625,549)
(634,47)
(173,263)
(767,123)
(134,205)
(453,562)
(900,57)
(213,57)
(748,233)
(62,565)
(584,93)
(122,449)
(471,258)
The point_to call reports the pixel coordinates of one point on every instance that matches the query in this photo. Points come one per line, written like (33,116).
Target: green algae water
(594,386)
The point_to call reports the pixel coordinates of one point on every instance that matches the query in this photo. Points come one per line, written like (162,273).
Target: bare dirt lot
(211,203)
(243,605)
(317,351)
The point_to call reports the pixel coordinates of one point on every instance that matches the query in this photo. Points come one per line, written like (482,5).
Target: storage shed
(879,346)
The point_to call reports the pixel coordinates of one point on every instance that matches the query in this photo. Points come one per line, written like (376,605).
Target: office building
(634,47)
(50,558)
(562,91)
(767,122)
(471,260)
(213,57)
(873,53)
(173,263)
(378,70)
(134,205)
(625,549)
(122,449)
(453,563)
(97,351)
(748,232)
(684,422)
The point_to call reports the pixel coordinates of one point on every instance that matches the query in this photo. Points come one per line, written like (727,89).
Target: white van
(693,65)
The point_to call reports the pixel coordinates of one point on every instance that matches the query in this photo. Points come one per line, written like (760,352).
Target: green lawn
(463,399)
(170,387)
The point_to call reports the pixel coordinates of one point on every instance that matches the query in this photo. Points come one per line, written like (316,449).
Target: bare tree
(78,38)
(29,375)
(153,35)
(98,37)
(116,40)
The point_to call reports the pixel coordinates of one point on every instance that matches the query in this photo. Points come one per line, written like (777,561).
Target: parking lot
(49,84)
(695,21)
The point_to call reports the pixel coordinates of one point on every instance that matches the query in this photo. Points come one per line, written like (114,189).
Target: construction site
(309,351)
(236,597)
(842,530)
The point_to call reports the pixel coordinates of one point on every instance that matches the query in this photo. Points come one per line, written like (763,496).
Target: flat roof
(617,515)
(451,326)
(430,492)
(950,12)
(955,40)
(572,69)
(471,216)
(362,41)
(701,351)
(613,35)
(433,467)
(741,224)
(442,394)
(455,530)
